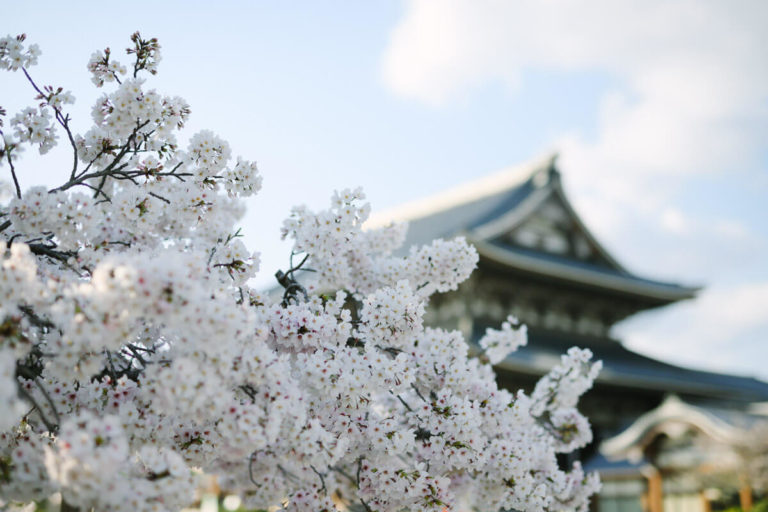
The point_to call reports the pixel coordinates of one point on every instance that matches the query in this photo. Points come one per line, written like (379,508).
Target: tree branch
(13,172)
(50,252)
(60,118)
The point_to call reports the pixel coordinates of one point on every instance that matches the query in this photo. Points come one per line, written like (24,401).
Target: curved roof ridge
(464,193)
(632,440)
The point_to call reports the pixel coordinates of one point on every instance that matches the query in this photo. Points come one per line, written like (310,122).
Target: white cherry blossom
(136,358)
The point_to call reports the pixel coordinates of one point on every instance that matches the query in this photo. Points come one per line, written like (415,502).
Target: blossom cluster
(35,126)
(13,54)
(136,357)
(103,69)
(347,257)
(498,344)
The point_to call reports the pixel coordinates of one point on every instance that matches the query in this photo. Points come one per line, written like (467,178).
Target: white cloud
(684,52)
(714,331)
(674,221)
(694,74)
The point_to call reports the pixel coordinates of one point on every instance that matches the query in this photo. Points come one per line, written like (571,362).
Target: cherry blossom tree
(135,357)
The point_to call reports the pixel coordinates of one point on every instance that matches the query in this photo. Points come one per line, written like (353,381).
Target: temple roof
(521,219)
(625,368)
(521,222)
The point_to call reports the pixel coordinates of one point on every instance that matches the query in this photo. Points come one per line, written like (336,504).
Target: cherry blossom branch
(145,50)
(35,319)
(51,404)
(60,118)
(418,393)
(404,403)
(117,172)
(289,282)
(251,460)
(13,174)
(26,372)
(321,477)
(10,163)
(51,252)
(52,427)
(345,475)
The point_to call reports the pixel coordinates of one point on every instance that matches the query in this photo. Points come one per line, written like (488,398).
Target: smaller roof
(500,213)
(721,425)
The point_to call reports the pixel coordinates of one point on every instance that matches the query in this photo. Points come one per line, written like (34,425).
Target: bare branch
(51,252)
(52,427)
(13,171)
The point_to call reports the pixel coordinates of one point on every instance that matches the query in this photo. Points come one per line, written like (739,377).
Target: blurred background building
(666,438)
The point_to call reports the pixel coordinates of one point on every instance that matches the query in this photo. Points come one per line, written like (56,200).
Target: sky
(658,109)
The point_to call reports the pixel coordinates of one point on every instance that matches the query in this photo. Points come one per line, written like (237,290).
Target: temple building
(667,438)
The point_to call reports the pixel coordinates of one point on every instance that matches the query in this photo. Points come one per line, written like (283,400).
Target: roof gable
(522,207)
(550,229)
(545,222)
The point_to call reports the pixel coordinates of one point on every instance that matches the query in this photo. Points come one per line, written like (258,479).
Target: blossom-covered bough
(135,357)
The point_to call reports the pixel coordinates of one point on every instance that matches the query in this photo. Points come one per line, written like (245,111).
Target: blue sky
(658,108)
